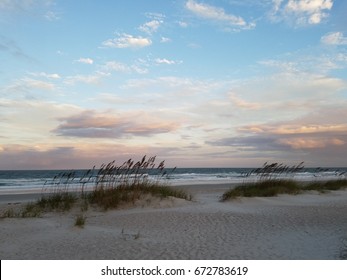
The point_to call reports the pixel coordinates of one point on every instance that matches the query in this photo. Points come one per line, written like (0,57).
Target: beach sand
(307,226)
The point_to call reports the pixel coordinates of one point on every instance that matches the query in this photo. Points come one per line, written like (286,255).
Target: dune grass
(271,183)
(80,221)
(129,182)
(276,187)
(325,186)
(62,201)
(264,188)
(112,197)
(113,186)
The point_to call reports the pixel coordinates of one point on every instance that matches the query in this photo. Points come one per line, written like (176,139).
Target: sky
(199,83)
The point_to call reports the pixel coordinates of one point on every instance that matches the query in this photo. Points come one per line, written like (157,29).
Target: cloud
(151,27)
(87,79)
(279,143)
(311,137)
(296,129)
(116,66)
(216,14)
(243,104)
(165,40)
(92,124)
(173,86)
(309,110)
(301,12)
(167,61)
(334,38)
(53,76)
(28,121)
(28,84)
(86,60)
(51,16)
(314,67)
(37,84)
(183,24)
(310,143)
(127,41)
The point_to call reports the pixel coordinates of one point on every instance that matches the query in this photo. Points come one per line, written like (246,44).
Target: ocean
(26,181)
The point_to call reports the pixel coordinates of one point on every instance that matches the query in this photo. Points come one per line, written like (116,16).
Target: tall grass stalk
(113,185)
(271,182)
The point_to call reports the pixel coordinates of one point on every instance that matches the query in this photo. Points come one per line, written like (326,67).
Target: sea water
(26,181)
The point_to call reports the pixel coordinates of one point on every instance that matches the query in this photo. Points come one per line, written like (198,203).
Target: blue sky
(199,83)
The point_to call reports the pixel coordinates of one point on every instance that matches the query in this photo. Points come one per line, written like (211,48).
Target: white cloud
(165,40)
(46,75)
(127,41)
(334,38)
(27,88)
(37,84)
(139,69)
(217,14)
(157,16)
(151,26)
(284,66)
(166,61)
(88,79)
(85,60)
(276,5)
(316,62)
(301,12)
(60,53)
(51,16)
(183,24)
(116,66)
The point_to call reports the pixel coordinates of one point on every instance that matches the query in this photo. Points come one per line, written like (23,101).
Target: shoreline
(305,226)
(24,196)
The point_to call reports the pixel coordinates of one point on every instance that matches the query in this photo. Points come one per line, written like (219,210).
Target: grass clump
(117,185)
(113,197)
(113,186)
(264,188)
(80,221)
(272,181)
(166,191)
(31,210)
(322,187)
(62,201)
(53,202)
(9,213)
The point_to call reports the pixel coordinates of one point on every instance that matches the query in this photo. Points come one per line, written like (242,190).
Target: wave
(39,180)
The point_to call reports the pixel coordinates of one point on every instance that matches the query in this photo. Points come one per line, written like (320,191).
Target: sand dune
(308,226)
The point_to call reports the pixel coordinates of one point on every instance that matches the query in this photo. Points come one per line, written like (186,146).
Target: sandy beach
(307,226)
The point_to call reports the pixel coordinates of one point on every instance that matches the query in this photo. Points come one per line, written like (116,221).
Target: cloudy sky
(199,83)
